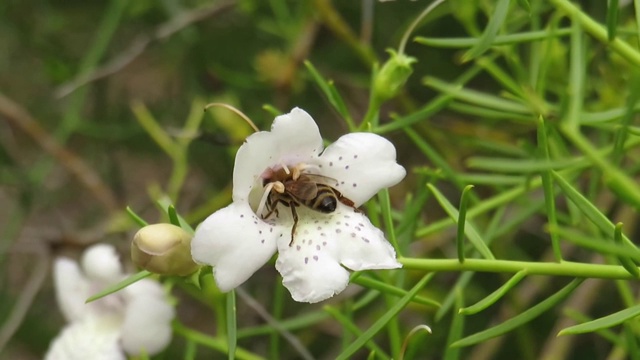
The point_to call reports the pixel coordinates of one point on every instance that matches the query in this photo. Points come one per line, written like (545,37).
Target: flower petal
(144,287)
(362,164)
(147,325)
(72,289)
(309,266)
(362,246)
(235,242)
(294,138)
(101,262)
(89,339)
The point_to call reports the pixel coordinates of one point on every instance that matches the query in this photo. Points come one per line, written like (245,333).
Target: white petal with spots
(362,164)
(362,246)
(294,138)
(311,265)
(235,242)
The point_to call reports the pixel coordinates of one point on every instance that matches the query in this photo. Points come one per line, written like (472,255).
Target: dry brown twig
(21,118)
(140,43)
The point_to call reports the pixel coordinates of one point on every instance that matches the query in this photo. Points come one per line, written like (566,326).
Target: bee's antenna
(240,113)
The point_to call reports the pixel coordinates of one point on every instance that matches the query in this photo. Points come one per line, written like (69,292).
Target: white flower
(240,238)
(134,320)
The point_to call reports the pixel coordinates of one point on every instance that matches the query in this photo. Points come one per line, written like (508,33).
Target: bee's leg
(295,220)
(271,208)
(347,202)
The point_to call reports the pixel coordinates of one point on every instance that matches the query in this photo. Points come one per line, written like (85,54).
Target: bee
(293,189)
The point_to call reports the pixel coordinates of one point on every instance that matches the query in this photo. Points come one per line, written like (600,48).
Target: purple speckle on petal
(318,246)
(338,231)
(323,234)
(319,228)
(330,163)
(310,242)
(259,231)
(262,241)
(346,167)
(347,217)
(355,185)
(355,156)
(298,247)
(306,260)
(324,243)
(361,224)
(358,228)
(241,215)
(340,158)
(353,235)
(315,257)
(365,239)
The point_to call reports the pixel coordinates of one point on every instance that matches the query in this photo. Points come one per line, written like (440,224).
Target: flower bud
(392,76)
(163,249)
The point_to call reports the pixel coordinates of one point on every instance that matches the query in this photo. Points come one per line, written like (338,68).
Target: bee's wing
(303,190)
(320,179)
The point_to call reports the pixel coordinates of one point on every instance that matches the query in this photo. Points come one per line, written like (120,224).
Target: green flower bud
(392,76)
(163,249)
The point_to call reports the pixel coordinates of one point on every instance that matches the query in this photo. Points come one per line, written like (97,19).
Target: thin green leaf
(173,215)
(517,38)
(477,97)
(494,296)
(352,328)
(138,220)
(603,322)
(450,299)
(587,208)
(488,36)
(232,327)
(416,330)
(274,111)
(521,166)
(384,319)
(164,204)
(625,260)
(547,186)
(612,19)
(329,90)
(457,329)
(599,245)
(118,286)
(631,340)
(474,237)
(521,319)
(390,289)
(462,215)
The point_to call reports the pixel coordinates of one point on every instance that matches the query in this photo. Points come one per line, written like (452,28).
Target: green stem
(598,31)
(217,343)
(565,268)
